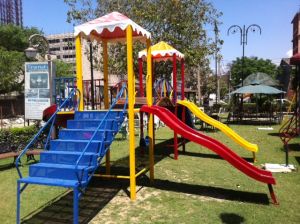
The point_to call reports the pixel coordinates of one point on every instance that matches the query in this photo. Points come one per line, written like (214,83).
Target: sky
(273,16)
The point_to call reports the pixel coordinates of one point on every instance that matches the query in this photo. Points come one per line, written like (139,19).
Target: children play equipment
(224,128)
(189,133)
(162,51)
(73,158)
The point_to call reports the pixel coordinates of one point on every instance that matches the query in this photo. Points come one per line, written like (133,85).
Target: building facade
(296,33)
(63,47)
(11,12)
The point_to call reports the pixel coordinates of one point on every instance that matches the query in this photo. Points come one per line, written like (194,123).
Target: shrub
(11,139)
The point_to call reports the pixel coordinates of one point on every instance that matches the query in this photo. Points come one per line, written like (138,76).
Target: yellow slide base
(222,127)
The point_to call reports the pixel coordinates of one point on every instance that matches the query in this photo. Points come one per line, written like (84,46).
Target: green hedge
(11,139)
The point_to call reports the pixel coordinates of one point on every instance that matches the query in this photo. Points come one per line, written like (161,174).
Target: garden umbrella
(257,89)
(259,78)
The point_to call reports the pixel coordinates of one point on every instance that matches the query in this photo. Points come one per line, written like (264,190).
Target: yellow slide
(222,127)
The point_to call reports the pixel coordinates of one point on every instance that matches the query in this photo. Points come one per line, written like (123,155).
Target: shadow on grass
(276,134)
(11,165)
(232,218)
(212,156)
(209,191)
(101,191)
(297,159)
(292,147)
(7,166)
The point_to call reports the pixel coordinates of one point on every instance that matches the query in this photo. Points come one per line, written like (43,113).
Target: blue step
(86,134)
(51,181)
(114,114)
(67,157)
(110,124)
(74,145)
(58,171)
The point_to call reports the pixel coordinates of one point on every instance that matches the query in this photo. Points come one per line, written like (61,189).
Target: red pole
(182,79)
(182,97)
(174,79)
(141,77)
(175,140)
(174,101)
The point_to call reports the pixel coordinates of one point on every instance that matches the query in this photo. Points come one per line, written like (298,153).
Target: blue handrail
(51,120)
(97,129)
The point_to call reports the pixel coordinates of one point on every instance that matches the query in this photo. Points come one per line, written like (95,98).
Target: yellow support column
(106,104)
(105,74)
(79,69)
(149,101)
(131,113)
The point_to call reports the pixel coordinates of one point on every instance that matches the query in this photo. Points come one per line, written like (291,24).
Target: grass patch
(198,188)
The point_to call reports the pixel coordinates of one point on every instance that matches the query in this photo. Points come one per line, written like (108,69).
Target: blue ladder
(73,158)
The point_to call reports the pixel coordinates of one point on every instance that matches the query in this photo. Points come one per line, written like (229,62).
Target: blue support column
(75,205)
(18,202)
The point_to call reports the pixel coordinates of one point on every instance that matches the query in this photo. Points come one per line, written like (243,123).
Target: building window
(69,56)
(53,41)
(69,48)
(70,39)
(54,49)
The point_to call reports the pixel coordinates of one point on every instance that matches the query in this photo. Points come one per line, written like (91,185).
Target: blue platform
(73,158)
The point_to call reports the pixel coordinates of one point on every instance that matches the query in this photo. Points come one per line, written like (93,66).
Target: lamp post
(244,40)
(35,45)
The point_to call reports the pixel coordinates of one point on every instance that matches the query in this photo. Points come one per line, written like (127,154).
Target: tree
(251,65)
(180,23)
(11,70)
(15,38)
(13,42)
(64,69)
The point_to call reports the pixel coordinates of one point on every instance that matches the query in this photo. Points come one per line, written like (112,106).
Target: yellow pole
(131,113)
(105,78)
(79,69)
(149,101)
(105,74)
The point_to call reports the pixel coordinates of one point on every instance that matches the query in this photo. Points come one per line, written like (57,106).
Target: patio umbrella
(259,78)
(257,89)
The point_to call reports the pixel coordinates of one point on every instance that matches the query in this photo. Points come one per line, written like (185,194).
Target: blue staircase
(73,158)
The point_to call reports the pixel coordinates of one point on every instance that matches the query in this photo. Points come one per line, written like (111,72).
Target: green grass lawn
(198,188)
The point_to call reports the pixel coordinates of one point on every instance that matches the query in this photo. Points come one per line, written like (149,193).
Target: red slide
(185,131)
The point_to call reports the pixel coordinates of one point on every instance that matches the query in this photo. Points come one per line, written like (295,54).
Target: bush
(11,139)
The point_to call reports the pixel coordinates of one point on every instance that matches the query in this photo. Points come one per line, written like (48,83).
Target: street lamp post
(35,45)
(244,40)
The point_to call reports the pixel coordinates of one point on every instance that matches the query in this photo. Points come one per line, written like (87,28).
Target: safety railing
(50,122)
(63,87)
(102,144)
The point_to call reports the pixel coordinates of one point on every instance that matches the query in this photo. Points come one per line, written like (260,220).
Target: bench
(11,152)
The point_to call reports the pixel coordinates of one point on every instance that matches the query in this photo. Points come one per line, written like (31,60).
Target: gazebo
(111,28)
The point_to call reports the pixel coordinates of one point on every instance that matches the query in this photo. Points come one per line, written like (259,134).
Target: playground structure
(291,128)
(76,154)
(162,51)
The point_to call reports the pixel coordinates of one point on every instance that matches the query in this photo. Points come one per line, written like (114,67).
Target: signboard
(37,89)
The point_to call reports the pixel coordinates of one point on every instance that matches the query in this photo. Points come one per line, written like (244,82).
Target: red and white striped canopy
(111,27)
(161,51)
